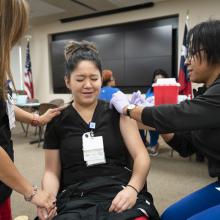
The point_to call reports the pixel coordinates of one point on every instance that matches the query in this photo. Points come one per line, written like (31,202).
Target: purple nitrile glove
(149,102)
(119,101)
(137,99)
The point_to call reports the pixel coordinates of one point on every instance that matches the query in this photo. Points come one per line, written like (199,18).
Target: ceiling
(46,11)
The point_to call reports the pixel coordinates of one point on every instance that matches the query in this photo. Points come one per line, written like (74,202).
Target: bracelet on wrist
(133,188)
(30,197)
(35,120)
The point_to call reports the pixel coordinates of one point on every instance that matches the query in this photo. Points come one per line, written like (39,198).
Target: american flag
(185,84)
(28,81)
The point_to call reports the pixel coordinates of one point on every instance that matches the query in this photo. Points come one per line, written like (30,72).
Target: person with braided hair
(87,150)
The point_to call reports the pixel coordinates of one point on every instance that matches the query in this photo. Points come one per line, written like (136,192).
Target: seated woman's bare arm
(126,198)
(137,150)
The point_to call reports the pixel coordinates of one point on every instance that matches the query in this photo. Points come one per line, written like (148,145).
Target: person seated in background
(87,148)
(108,86)
(154,135)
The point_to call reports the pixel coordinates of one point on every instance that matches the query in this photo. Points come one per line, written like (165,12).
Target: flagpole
(187,15)
(187,18)
(28,37)
(190,96)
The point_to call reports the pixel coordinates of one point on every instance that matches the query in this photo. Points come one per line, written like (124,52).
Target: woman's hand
(124,200)
(44,215)
(44,200)
(49,115)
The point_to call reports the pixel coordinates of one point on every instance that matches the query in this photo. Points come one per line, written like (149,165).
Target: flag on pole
(28,81)
(185,84)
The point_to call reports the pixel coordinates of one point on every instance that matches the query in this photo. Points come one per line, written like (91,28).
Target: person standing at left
(13,24)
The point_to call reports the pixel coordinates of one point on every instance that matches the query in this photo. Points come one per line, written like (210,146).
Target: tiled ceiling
(45,11)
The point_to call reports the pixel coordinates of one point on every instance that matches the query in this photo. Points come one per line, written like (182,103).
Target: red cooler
(166,91)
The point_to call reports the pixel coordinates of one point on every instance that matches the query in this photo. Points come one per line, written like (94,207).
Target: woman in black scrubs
(86,151)
(13,23)
(195,123)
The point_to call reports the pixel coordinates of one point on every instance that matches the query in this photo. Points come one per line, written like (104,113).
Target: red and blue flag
(28,81)
(185,84)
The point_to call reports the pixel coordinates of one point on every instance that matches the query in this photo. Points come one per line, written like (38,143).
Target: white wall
(17,57)
(16,67)
(200,10)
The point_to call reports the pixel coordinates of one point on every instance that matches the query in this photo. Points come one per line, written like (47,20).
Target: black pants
(91,201)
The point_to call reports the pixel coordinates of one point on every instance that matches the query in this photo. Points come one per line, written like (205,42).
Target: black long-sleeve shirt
(196,124)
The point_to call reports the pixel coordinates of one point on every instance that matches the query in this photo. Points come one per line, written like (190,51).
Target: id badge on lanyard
(93,148)
(10,111)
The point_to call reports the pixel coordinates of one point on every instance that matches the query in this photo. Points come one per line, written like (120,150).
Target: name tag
(11,111)
(93,149)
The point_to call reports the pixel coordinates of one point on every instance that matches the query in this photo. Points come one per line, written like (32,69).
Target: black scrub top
(6,144)
(65,134)
(196,124)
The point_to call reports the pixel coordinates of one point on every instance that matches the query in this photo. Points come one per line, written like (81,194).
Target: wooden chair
(30,110)
(57,102)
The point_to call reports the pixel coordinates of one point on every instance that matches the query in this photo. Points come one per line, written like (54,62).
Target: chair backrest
(57,102)
(45,106)
(31,109)
(32,101)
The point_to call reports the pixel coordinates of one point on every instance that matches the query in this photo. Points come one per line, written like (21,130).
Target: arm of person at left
(12,177)
(127,197)
(27,117)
